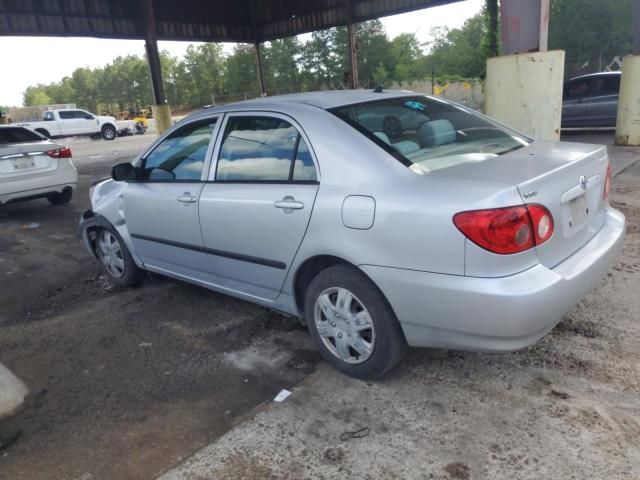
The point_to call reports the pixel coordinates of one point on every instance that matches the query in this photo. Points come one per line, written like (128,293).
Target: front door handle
(186,197)
(288,204)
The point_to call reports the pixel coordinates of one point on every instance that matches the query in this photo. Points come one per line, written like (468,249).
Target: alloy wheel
(110,253)
(344,325)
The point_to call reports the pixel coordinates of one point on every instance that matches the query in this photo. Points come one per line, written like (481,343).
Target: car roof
(322,99)
(597,74)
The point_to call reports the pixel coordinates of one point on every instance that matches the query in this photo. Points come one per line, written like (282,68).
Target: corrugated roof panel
(193,20)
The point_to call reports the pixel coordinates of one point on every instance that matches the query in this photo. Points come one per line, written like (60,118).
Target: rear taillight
(64,152)
(607,183)
(506,230)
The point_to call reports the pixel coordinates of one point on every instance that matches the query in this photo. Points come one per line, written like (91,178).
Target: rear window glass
(18,135)
(428,134)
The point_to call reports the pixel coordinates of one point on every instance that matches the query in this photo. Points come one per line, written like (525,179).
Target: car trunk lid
(566,178)
(26,159)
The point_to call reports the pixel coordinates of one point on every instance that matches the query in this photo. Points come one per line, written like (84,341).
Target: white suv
(33,167)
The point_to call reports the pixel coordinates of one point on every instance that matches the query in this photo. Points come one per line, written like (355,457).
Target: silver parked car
(451,232)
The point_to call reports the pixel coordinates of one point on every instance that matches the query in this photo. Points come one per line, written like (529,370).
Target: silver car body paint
(445,290)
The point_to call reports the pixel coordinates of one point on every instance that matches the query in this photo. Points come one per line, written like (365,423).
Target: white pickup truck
(70,122)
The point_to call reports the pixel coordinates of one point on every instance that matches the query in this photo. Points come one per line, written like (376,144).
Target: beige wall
(524,91)
(468,93)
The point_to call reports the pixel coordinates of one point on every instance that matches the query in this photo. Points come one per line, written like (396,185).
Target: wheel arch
(311,267)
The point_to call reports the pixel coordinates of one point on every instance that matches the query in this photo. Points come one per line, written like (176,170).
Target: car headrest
(437,132)
(382,136)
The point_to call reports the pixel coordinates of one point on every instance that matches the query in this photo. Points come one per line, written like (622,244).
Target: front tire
(352,324)
(115,259)
(109,132)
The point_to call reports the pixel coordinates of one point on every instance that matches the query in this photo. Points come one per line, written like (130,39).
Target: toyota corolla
(449,230)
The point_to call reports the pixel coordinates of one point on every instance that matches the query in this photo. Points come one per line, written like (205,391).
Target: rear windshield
(429,134)
(18,135)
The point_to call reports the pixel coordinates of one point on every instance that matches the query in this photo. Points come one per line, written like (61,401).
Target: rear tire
(352,324)
(115,259)
(60,198)
(109,132)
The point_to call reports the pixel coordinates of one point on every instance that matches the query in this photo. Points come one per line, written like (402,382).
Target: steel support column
(263,91)
(628,121)
(353,54)
(161,109)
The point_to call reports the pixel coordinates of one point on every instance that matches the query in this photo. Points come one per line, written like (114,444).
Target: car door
(575,109)
(86,122)
(68,122)
(161,208)
(603,101)
(255,212)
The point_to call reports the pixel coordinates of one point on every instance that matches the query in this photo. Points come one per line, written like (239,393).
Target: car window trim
(262,113)
(140,162)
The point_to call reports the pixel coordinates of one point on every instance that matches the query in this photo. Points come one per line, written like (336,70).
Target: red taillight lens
(60,153)
(506,230)
(607,183)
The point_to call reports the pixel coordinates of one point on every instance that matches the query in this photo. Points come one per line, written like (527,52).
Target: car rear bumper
(497,314)
(33,186)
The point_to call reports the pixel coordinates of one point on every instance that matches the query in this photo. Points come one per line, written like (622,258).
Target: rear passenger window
(18,135)
(67,115)
(263,149)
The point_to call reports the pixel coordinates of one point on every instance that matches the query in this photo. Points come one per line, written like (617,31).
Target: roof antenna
(378,89)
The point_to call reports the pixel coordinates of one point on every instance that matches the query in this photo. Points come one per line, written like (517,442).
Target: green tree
(591,32)
(241,72)
(36,95)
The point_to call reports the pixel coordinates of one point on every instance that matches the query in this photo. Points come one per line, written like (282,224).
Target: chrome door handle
(288,204)
(186,197)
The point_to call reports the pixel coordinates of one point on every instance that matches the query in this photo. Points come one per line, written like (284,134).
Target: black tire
(389,345)
(132,274)
(60,198)
(109,132)
(43,132)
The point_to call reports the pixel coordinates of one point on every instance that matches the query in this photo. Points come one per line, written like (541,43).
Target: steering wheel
(391,126)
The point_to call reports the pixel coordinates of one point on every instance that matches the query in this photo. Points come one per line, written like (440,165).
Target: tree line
(591,32)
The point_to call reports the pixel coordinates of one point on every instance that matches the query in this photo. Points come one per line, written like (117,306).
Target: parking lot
(129,383)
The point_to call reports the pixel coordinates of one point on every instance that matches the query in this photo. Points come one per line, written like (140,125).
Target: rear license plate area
(23,163)
(578,212)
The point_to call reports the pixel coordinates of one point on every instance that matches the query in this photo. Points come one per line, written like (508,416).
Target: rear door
(161,210)
(603,100)
(575,109)
(255,212)
(69,123)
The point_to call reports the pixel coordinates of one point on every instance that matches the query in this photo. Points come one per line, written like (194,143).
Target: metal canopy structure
(245,21)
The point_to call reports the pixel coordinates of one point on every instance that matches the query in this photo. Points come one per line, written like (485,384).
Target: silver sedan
(449,230)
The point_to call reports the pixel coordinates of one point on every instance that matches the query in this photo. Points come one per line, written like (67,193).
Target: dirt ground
(126,384)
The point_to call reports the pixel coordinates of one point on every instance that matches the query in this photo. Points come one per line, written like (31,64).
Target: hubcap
(110,253)
(344,325)
(109,133)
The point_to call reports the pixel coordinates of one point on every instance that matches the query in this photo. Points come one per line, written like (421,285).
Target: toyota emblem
(584,181)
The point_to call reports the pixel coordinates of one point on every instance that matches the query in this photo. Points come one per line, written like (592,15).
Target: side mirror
(89,117)
(123,172)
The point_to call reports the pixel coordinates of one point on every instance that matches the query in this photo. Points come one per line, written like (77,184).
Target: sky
(27,61)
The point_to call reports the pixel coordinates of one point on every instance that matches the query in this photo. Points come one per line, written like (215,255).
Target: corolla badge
(584,182)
